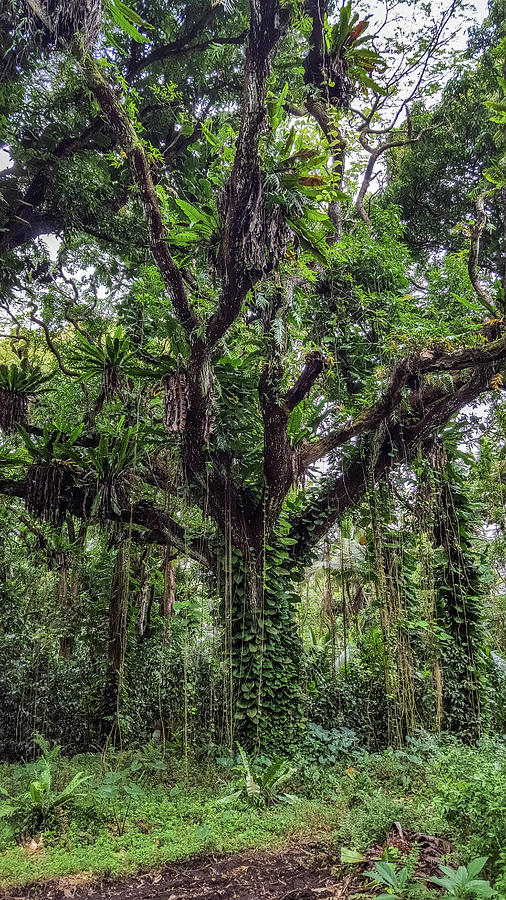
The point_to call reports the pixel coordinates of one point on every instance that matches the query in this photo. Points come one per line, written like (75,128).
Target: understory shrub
(469,789)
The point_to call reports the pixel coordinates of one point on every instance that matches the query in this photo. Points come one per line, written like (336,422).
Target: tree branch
(25,222)
(243,243)
(160,527)
(374,156)
(128,140)
(181,47)
(314,365)
(397,443)
(413,366)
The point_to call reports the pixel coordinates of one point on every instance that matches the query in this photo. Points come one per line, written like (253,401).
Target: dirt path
(301,874)
(309,872)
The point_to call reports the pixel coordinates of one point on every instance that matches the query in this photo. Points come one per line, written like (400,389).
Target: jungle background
(253,435)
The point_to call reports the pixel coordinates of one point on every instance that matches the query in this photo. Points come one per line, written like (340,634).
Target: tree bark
(116,647)
(169,584)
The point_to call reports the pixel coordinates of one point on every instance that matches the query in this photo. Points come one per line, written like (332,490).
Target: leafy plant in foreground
(462,883)
(396,882)
(34,808)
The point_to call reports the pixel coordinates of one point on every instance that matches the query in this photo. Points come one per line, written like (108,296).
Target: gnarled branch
(397,443)
(420,363)
(159,527)
(128,140)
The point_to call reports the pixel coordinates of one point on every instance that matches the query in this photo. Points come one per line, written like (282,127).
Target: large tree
(274,361)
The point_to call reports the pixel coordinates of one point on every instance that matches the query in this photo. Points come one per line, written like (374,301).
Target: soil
(311,872)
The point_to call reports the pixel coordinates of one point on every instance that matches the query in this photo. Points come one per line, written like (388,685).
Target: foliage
(119,788)
(109,465)
(470,795)
(263,783)
(396,880)
(110,360)
(327,747)
(19,384)
(462,883)
(265,305)
(35,808)
(178,809)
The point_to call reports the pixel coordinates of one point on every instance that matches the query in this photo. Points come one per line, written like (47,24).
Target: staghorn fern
(18,385)
(50,476)
(109,359)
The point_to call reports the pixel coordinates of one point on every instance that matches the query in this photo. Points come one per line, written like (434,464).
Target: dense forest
(253,447)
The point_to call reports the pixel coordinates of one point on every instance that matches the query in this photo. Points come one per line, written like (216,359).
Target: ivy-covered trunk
(262,648)
(459,590)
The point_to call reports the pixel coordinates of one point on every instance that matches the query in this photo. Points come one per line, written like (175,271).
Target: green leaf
(127,19)
(351,857)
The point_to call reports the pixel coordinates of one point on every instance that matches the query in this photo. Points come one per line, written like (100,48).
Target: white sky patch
(5,160)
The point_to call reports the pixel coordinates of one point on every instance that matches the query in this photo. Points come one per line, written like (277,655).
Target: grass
(168,821)
(158,832)
(450,791)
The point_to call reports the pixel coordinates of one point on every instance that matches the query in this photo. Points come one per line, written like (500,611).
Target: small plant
(396,882)
(327,747)
(35,808)
(462,883)
(120,788)
(149,761)
(263,786)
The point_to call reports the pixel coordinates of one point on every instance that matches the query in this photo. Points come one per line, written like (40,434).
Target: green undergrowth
(159,832)
(138,810)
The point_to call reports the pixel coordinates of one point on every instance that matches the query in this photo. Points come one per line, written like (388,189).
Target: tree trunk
(118,615)
(169,584)
(262,649)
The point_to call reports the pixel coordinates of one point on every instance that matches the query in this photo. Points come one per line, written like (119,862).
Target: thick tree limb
(160,527)
(397,443)
(128,140)
(280,459)
(181,47)
(314,365)
(413,366)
